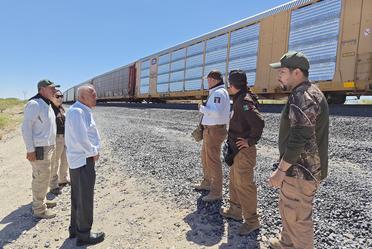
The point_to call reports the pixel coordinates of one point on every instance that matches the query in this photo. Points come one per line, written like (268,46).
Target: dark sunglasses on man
(59,96)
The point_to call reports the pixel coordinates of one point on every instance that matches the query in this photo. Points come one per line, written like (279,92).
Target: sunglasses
(59,96)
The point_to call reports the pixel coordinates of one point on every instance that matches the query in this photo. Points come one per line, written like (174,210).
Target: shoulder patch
(249,103)
(248,98)
(251,98)
(248,107)
(217,100)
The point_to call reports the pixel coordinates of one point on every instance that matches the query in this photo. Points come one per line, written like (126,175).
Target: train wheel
(336,98)
(159,101)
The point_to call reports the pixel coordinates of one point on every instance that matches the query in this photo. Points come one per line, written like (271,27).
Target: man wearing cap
(245,129)
(39,134)
(216,113)
(303,148)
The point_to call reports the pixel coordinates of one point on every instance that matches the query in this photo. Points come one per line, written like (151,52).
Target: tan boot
(274,243)
(202,186)
(212,197)
(46,215)
(50,204)
(246,228)
(233,212)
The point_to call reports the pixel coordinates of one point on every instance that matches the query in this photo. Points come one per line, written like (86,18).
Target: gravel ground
(155,146)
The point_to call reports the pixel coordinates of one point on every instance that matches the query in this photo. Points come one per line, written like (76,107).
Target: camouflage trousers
(296,208)
(59,166)
(213,137)
(40,180)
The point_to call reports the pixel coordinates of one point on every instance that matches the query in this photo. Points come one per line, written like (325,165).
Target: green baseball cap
(46,83)
(292,59)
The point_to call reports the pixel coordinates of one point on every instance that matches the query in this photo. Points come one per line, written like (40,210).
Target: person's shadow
(234,240)
(17,222)
(206,223)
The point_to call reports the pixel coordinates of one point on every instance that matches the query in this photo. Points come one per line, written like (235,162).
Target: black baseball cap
(293,59)
(46,83)
(238,78)
(215,74)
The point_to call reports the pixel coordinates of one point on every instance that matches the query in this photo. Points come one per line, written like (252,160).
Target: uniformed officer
(245,129)
(58,176)
(303,148)
(39,134)
(216,114)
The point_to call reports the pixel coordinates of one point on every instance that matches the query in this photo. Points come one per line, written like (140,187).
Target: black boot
(93,239)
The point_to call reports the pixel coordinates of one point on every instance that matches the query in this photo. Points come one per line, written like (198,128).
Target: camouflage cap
(46,83)
(292,59)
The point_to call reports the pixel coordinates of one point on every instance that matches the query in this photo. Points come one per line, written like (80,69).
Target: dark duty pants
(82,193)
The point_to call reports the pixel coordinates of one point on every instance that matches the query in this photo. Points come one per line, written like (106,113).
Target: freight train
(336,36)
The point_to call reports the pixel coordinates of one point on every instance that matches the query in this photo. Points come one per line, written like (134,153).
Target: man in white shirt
(216,114)
(83,144)
(39,134)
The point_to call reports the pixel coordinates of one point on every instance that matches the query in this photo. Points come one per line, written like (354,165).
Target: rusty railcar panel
(132,81)
(113,85)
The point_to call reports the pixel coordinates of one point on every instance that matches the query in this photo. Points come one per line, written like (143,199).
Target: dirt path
(132,214)
(124,209)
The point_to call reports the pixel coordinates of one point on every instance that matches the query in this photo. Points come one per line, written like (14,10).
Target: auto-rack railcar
(336,35)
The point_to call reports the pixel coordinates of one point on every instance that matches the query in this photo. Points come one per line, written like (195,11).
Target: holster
(228,153)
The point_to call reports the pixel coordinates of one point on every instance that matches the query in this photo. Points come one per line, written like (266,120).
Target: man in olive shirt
(245,129)
(303,148)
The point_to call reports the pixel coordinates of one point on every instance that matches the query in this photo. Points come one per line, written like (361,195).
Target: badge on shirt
(248,107)
(217,100)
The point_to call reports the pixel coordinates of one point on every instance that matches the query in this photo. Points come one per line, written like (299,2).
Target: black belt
(214,126)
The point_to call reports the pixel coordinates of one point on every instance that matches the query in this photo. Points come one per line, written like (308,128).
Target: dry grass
(11,111)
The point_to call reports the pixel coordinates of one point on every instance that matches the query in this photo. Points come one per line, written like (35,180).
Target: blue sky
(71,41)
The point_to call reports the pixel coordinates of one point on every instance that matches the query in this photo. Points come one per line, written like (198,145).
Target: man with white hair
(83,144)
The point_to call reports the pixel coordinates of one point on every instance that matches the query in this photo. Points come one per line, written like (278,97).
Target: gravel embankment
(155,146)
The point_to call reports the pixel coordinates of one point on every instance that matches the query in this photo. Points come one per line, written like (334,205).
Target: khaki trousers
(213,136)
(59,162)
(40,180)
(242,187)
(296,208)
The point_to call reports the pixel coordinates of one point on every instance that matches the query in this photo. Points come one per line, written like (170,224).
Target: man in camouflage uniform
(245,129)
(303,148)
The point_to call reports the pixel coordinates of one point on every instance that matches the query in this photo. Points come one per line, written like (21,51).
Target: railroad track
(335,110)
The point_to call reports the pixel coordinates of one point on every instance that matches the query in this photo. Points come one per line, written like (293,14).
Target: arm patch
(248,107)
(217,100)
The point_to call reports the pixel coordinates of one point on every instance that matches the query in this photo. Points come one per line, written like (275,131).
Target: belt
(214,126)
(60,135)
